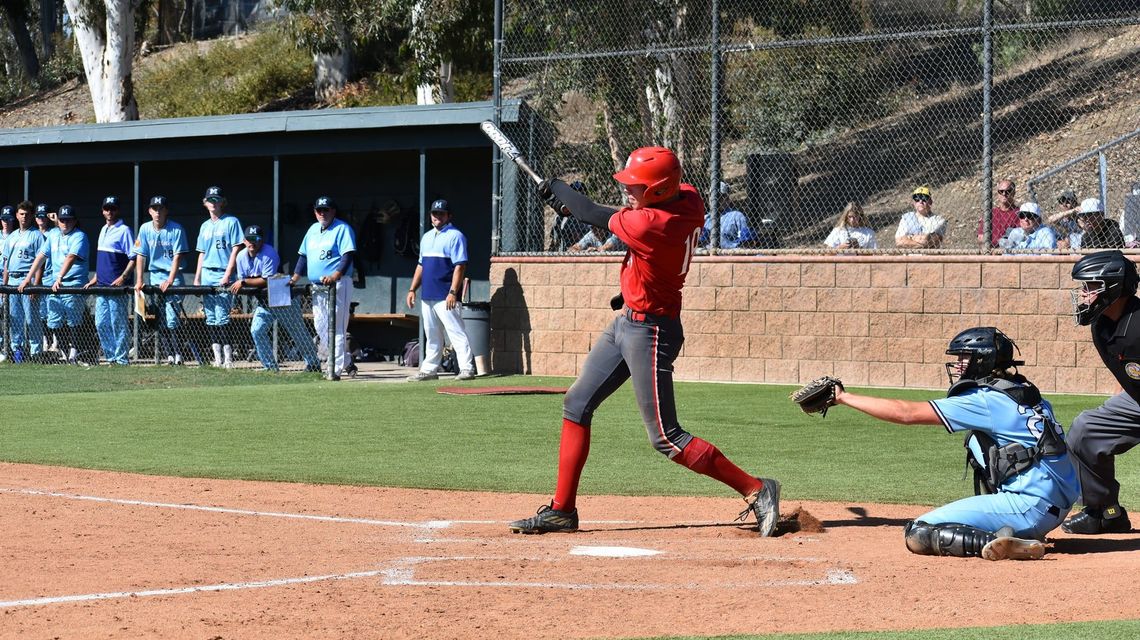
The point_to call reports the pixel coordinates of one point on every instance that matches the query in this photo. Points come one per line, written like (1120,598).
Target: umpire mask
(1105,277)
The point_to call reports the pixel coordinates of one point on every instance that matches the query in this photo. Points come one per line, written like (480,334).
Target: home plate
(613,552)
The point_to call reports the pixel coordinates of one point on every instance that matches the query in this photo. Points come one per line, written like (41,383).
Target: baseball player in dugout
(438,277)
(660,226)
(1106,302)
(1025,482)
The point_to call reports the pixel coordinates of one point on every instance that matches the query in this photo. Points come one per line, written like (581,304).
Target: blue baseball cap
(8,212)
(253,233)
(214,193)
(440,205)
(157,201)
(111,202)
(41,211)
(65,212)
(324,202)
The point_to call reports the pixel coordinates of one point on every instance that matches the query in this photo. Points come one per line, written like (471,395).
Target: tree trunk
(333,69)
(107,50)
(48,21)
(17,14)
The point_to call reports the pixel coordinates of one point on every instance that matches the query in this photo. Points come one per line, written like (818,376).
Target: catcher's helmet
(655,167)
(1112,276)
(989,350)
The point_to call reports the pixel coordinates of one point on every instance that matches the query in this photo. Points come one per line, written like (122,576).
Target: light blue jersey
(216,240)
(58,246)
(159,246)
(22,247)
(263,265)
(323,248)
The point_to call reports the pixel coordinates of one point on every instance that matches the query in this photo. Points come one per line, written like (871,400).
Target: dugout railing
(41,326)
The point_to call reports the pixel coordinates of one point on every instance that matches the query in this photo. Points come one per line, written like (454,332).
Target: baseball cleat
(1007,547)
(421,376)
(1090,521)
(465,375)
(547,520)
(765,504)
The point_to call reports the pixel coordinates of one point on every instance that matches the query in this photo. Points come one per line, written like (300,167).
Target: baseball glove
(818,395)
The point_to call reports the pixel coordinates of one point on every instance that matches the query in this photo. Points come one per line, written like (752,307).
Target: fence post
(330,332)
(497,110)
(987,120)
(1102,166)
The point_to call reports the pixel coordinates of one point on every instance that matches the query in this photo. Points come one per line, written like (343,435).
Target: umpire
(1107,301)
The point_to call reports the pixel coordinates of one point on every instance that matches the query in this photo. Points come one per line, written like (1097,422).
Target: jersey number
(325,254)
(690,247)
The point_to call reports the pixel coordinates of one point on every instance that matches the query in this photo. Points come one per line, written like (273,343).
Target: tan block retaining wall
(869,320)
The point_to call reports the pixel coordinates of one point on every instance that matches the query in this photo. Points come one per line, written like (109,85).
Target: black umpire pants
(1095,439)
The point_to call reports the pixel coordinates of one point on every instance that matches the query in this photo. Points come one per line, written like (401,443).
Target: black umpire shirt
(1119,346)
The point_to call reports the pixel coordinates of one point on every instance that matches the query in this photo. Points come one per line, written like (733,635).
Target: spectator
(1064,222)
(114,262)
(1096,231)
(23,245)
(326,257)
(567,229)
(159,250)
(734,229)
(443,260)
(1032,234)
(44,222)
(596,240)
(67,248)
(219,241)
(852,230)
(921,228)
(1003,215)
(253,268)
(7,225)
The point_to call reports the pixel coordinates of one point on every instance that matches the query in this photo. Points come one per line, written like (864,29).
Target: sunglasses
(1006,192)
(1023,215)
(920,198)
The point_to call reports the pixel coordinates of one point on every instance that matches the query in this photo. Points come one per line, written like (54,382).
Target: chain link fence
(809,126)
(116,325)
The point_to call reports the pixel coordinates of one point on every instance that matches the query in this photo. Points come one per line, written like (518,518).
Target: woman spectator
(851,230)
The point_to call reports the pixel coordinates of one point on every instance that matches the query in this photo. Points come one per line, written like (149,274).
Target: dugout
(382,165)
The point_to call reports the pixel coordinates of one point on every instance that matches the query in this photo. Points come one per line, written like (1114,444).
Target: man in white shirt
(921,228)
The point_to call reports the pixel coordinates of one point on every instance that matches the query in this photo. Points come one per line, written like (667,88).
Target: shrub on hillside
(227,79)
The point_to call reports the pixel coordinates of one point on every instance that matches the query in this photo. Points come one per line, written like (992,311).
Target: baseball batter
(1007,419)
(660,226)
(23,244)
(219,241)
(159,250)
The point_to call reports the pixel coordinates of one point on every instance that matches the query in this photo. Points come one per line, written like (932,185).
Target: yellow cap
(924,190)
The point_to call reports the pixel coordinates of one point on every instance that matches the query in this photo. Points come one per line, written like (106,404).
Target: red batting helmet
(655,167)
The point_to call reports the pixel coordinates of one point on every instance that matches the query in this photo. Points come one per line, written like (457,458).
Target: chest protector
(999,464)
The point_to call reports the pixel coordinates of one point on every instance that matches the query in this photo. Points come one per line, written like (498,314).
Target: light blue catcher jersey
(59,246)
(323,249)
(1053,479)
(217,240)
(21,249)
(159,246)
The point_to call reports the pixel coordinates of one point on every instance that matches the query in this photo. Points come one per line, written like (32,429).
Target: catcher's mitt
(818,395)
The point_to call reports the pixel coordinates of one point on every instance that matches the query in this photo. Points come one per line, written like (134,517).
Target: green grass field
(299,428)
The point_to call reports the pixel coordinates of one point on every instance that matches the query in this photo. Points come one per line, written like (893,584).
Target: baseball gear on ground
(657,168)
(1091,521)
(818,395)
(1105,277)
(989,350)
(509,149)
(547,520)
(765,505)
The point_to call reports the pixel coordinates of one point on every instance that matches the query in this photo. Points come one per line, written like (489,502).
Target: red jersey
(1001,221)
(661,241)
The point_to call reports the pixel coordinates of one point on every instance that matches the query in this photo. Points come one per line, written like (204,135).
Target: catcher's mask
(1105,277)
(987,350)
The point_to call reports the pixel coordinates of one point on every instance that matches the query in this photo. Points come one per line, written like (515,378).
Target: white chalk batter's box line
(401,573)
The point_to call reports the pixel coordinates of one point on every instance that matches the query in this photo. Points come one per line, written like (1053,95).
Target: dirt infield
(89,554)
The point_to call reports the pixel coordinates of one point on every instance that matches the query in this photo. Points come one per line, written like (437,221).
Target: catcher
(1025,480)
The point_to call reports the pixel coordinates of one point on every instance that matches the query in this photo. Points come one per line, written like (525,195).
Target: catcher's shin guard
(962,541)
